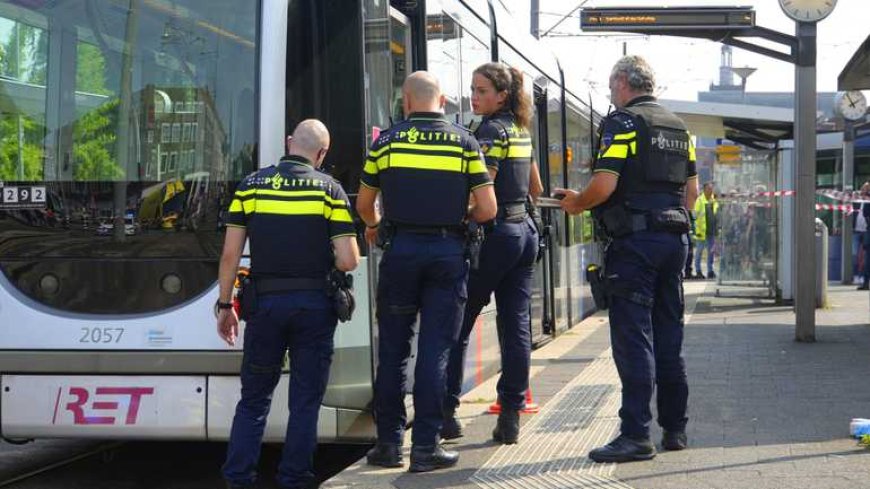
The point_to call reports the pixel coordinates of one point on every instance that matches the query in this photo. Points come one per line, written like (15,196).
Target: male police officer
(291,213)
(424,168)
(644,170)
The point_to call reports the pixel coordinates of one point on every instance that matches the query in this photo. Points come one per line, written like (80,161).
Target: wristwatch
(224,305)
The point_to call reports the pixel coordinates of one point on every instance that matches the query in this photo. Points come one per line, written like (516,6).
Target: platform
(764,411)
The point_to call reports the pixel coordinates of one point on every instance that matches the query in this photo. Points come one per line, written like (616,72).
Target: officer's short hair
(638,73)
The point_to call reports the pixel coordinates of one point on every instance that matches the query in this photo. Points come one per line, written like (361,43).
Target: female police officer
(508,255)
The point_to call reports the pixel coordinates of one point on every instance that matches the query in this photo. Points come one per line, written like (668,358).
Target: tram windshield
(124,127)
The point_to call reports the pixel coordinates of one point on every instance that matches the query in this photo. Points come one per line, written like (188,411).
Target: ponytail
(520,102)
(510,79)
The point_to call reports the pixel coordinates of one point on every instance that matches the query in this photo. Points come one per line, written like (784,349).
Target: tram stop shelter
(856,73)
(856,76)
(747,152)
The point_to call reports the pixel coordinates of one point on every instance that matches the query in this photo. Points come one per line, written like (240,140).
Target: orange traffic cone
(531,406)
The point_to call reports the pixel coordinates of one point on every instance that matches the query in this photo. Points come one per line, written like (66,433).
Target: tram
(125,126)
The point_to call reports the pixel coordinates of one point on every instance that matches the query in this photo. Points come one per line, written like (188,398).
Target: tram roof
(751,125)
(856,73)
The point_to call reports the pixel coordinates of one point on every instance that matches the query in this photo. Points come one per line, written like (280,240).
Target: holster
(340,289)
(598,284)
(542,229)
(247,295)
(474,237)
(386,231)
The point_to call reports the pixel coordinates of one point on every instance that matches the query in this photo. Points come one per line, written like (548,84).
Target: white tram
(125,126)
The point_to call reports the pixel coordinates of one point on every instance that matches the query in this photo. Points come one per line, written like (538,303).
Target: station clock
(807,10)
(851,105)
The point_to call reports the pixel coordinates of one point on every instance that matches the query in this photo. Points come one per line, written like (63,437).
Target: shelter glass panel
(746,223)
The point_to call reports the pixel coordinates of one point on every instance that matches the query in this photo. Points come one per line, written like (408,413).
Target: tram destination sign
(666,18)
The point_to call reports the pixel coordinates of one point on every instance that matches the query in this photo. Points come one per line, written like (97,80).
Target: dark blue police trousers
(647,340)
(303,322)
(427,273)
(507,263)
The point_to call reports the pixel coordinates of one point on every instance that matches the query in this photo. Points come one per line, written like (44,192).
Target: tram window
(97,92)
(23,54)
(384,94)
(578,167)
(442,37)
(474,54)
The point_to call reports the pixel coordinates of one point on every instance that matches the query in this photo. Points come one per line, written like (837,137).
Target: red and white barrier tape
(854,197)
(848,209)
(772,193)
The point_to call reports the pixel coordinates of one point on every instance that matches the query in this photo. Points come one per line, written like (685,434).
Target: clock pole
(805,153)
(848,186)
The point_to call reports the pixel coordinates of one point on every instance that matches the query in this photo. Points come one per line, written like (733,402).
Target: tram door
(543,309)
(387,63)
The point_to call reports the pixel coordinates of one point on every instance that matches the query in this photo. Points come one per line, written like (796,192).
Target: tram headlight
(49,284)
(171,283)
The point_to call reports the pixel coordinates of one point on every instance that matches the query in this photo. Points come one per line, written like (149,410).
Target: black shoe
(624,449)
(385,455)
(431,457)
(507,428)
(451,427)
(674,440)
(711,275)
(864,287)
(699,276)
(687,275)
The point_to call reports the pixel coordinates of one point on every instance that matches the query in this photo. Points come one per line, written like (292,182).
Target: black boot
(451,427)
(507,428)
(624,449)
(674,440)
(426,458)
(385,455)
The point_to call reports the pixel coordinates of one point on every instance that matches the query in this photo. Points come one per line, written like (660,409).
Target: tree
(93,145)
(31,154)
(91,70)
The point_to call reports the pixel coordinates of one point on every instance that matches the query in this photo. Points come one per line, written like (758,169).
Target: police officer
(424,168)
(507,258)
(645,168)
(299,225)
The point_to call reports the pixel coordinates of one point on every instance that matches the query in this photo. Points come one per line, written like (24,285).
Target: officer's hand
(228,326)
(570,201)
(371,235)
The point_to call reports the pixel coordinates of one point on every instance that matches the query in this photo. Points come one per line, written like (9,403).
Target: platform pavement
(765,411)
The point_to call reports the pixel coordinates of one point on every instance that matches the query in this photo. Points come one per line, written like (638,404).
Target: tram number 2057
(101,335)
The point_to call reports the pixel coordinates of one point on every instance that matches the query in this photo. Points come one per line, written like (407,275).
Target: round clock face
(851,105)
(807,10)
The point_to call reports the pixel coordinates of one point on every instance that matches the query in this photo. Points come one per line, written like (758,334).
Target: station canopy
(755,126)
(856,74)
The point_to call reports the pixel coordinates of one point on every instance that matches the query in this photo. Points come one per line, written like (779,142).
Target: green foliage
(94,143)
(31,154)
(91,70)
